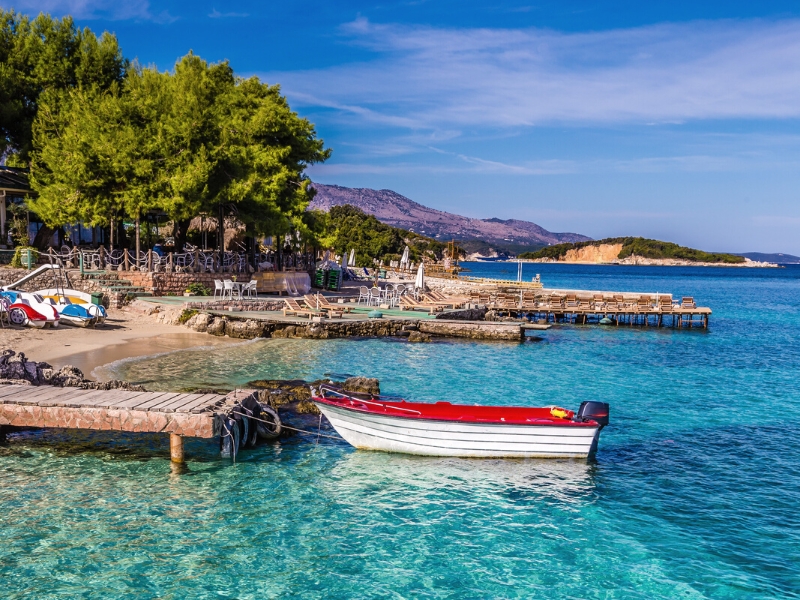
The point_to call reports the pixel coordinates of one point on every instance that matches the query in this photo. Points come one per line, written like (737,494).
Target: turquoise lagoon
(695,492)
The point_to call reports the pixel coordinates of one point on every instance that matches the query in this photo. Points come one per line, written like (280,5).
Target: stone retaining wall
(175,283)
(511,332)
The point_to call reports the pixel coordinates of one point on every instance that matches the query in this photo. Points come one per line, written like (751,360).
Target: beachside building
(13,188)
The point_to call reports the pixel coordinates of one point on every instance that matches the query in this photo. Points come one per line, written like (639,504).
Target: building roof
(13,179)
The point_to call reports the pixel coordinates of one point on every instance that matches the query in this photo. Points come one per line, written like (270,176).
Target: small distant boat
(445,429)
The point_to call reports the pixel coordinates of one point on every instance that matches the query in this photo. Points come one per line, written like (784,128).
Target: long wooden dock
(193,415)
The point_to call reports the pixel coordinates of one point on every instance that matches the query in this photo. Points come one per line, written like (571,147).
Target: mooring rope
(333,437)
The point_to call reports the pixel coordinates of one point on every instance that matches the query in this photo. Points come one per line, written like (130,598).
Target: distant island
(637,251)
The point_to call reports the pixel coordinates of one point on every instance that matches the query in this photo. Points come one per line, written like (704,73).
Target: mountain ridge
(399,211)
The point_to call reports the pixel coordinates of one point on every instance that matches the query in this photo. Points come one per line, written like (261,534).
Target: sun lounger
(325,303)
(314,304)
(293,308)
(409,303)
(688,302)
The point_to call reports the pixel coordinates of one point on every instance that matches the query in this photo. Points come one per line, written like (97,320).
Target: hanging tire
(18,317)
(253,437)
(229,439)
(272,430)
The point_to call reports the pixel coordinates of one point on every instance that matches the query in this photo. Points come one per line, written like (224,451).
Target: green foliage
(187,314)
(196,140)
(43,55)
(346,227)
(198,289)
(646,248)
(16,260)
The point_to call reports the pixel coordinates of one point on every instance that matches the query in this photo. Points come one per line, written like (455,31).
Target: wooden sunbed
(311,303)
(325,304)
(688,302)
(293,308)
(407,302)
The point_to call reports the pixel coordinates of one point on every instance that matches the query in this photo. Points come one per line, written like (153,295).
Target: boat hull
(371,431)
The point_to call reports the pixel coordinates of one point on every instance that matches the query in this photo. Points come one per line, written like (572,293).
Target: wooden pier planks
(117,410)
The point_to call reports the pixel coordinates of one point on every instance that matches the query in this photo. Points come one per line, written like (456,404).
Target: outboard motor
(593,411)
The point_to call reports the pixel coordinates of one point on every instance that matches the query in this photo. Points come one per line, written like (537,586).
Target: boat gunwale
(543,422)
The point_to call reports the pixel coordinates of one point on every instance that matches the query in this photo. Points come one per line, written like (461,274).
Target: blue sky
(678,121)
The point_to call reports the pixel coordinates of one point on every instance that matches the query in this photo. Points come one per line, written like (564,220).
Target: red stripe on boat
(463,413)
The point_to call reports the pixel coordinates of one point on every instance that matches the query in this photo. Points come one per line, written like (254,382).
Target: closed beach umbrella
(419,283)
(404,260)
(352,261)
(344,260)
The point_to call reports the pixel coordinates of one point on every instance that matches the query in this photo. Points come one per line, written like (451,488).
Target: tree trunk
(42,239)
(220,231)
(180,227)
(138,244)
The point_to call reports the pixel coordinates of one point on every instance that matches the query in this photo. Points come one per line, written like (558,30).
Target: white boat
(445,429)
(75,307)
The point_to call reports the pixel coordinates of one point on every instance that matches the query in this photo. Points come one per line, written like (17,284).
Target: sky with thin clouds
(664,119)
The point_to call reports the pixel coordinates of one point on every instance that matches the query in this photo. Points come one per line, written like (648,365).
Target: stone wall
(511,332)
(175,283)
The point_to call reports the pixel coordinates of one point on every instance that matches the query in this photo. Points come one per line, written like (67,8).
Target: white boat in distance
(445,429)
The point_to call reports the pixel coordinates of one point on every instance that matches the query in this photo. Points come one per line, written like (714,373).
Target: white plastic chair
(375,295)
(218,287)
(251,288)
(363,294)
(228,287)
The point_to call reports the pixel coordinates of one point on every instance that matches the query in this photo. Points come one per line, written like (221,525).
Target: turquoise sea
(694,493)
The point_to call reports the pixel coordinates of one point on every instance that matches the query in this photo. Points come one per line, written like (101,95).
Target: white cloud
(114,10)
(429,78)
(215,14)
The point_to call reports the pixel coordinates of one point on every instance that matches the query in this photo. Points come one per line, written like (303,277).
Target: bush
(187,314)
(198,289)
(16,261)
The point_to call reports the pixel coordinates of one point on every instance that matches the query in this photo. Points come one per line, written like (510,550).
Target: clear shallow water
(694,493)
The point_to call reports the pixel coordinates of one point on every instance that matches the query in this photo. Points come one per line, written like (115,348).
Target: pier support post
(176,448)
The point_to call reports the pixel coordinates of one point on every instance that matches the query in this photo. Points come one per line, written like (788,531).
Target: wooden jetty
(628,309)
(177,414)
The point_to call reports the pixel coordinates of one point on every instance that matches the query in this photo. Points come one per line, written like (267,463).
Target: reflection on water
(416,477)
(694,492)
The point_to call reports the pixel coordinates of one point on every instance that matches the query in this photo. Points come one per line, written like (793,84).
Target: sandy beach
(125,334)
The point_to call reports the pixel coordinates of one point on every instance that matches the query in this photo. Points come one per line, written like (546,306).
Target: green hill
(638,246)
(347,227)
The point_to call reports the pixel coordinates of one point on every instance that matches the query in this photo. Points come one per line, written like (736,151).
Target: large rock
(246,330)
(366,385)
(217,326)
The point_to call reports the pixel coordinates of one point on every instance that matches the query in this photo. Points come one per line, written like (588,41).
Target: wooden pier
(176,414)
(657,310)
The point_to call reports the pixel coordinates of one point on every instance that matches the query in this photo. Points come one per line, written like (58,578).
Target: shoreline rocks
(17,369)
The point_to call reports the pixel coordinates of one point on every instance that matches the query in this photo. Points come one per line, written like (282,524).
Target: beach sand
(125,334)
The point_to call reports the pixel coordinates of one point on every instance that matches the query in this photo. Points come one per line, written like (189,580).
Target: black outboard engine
(593,411)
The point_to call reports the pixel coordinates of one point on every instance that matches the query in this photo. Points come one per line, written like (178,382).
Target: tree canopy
(44,54)
(347,227)
(196,140)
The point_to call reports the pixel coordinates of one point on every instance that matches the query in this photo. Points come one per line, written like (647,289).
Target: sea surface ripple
(693,494)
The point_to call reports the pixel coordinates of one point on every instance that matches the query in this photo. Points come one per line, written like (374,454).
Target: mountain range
(394,209)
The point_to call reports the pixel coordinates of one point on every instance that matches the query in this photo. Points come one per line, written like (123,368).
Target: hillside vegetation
(646,248)
(346,227)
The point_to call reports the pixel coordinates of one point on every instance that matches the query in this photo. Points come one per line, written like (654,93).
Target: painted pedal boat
(460,430)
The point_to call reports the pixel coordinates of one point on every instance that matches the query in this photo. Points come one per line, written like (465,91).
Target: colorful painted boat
(76,307)
(31,310)
(445,429)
